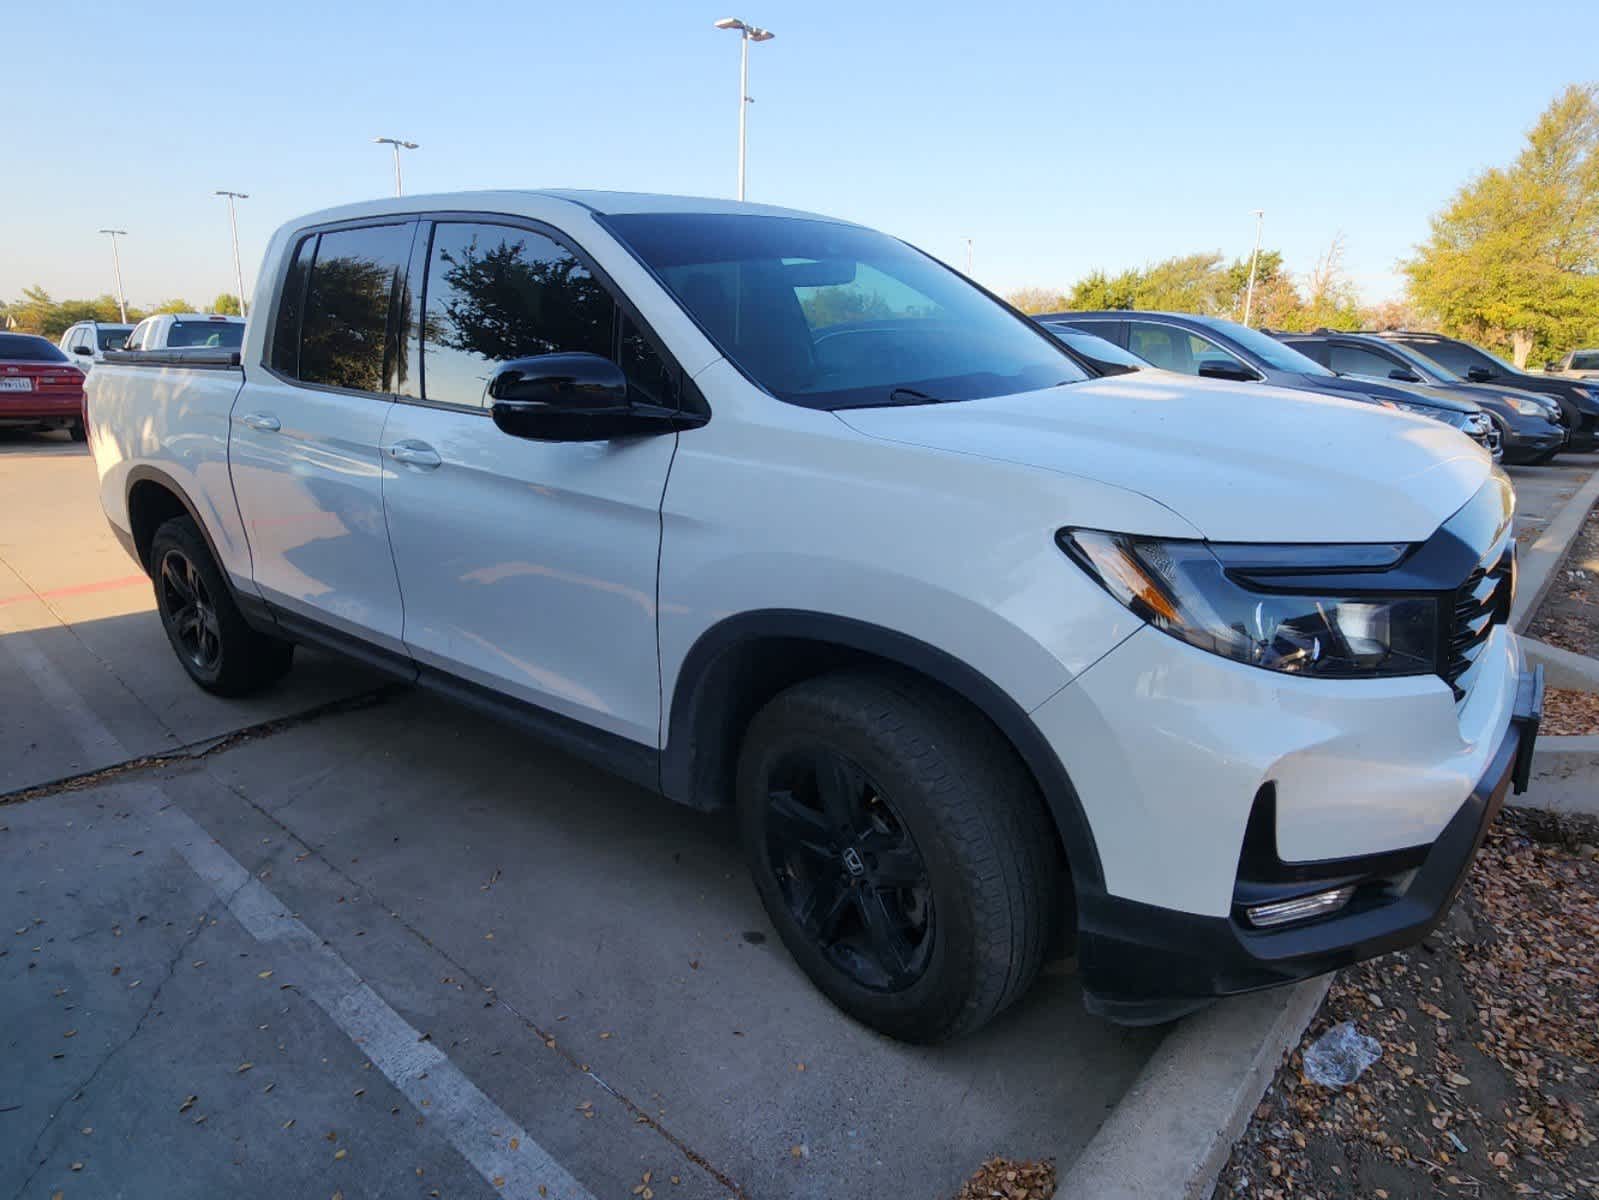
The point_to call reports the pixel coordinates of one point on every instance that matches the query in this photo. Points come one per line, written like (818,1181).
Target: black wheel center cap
(853,862)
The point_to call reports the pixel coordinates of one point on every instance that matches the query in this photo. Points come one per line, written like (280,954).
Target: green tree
(1037,300)
(227,304)
(172,306)
(1513,259)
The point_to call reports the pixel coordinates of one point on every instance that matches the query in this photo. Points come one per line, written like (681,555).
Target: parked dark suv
(1215,348)
(1531,427)
(1579,401)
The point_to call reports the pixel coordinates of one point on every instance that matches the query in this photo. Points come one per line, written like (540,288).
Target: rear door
(528,568)
(305,439)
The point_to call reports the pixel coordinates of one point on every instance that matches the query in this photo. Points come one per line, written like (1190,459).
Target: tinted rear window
(24,347)
(344,338)
(219,335)
(113,336)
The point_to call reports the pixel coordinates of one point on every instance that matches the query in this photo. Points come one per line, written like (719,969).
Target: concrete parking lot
(347,938)
(379,946)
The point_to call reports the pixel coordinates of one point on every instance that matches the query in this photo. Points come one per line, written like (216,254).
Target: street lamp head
(114,232)
(388,141)
(754,32)
(235,195)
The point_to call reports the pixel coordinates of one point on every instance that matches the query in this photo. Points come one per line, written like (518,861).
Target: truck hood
(1238,462)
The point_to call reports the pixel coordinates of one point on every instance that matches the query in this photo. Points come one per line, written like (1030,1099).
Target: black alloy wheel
(849,870)
(189,610)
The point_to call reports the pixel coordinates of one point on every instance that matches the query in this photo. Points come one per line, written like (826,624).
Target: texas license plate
(16,384)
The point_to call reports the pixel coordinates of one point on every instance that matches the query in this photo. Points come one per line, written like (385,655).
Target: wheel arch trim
(687,716)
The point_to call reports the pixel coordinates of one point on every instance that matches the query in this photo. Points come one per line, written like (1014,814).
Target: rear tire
(216,646)
(77,432)
(901,850)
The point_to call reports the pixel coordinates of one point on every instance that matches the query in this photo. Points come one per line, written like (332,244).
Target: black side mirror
(83,350)
(1225,368)
(1404,376)
(1479,374)
(576,397)
(1551,366)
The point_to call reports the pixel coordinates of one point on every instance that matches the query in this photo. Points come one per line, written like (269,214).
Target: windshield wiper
(905,395)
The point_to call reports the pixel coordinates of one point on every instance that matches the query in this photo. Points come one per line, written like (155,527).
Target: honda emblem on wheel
(852,860)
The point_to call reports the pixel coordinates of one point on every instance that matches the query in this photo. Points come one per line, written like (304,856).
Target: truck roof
(606,203)
(203,317)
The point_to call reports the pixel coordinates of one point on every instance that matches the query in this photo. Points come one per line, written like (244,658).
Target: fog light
(1301,908)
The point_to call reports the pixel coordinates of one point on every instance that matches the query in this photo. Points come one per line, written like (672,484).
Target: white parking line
(457,1108)
(477,1127)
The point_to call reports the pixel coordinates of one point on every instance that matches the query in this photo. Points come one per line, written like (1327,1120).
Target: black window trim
(690,398)
(300,235)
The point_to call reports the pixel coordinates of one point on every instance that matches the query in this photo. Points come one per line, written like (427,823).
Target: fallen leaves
(1490,1032)
(1009,1179)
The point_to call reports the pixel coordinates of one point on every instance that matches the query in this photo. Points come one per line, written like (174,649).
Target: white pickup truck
(763,509)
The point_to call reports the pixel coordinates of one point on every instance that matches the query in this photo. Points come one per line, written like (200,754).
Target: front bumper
(1143,964)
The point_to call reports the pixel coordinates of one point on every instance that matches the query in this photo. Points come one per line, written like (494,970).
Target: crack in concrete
(205,748)
(548,1038)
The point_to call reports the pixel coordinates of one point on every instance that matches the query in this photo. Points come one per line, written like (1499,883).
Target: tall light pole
(398,144)
(116,265)
(1254,260)
(233,222)
(746,35)
(968,258)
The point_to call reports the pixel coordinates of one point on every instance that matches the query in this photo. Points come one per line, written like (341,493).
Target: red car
(39,388)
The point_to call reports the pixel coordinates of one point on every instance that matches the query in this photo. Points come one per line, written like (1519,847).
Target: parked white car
(755,507)
(172,331)
(86,342)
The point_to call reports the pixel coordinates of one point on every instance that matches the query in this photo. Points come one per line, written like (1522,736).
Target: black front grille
(1482,602)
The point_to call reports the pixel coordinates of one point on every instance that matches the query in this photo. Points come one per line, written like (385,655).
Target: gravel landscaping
(1567,711)
(1488,1083)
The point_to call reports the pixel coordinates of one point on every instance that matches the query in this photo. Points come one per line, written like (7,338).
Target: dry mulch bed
(1566,711)
(1569,614)
(1488,1084)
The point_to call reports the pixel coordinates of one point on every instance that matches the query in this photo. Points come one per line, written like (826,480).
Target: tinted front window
(1585,360)
(1264,347)
(495,293)
(1173,349)
(218,335)
(25,347)
(1315,351)
(1357,360)
(344,332)
(834,316)
(1458,357)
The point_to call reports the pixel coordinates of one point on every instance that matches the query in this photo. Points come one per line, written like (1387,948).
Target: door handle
(265,422)
(415,454)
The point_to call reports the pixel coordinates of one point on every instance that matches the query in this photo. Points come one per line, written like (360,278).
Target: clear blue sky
(1061,137)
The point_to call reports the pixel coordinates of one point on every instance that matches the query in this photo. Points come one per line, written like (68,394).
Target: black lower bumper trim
(1145,965)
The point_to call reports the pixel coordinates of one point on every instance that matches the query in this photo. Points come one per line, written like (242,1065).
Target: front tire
(216,646)
(901,850)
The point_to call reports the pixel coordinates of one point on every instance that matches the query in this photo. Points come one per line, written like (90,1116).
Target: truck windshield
(222,335)
(835,316)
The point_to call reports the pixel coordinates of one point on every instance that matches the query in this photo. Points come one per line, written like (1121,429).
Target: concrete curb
(1562,668)
(1172,1132)
(1565,774)
(1541,561)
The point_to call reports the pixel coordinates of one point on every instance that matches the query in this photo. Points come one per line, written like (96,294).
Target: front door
(526,567)
(305,439)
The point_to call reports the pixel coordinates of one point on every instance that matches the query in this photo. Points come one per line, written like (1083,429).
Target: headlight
(1187,589)
(1423,410)
(1528,408)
